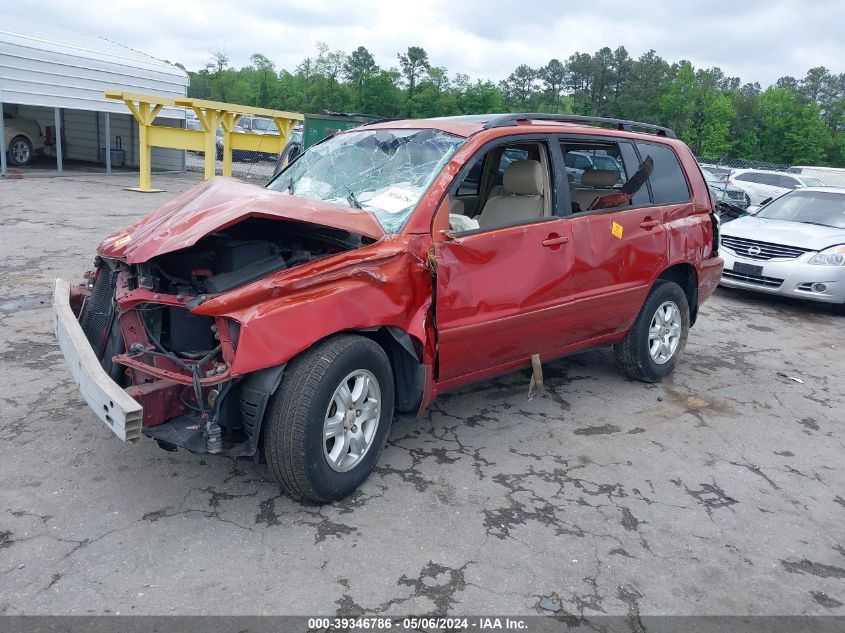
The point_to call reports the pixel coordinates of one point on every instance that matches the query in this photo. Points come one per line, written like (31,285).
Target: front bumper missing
(119,411)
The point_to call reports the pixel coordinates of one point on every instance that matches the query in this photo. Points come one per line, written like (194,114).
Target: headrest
(456,206)
(603,178)
(524,177)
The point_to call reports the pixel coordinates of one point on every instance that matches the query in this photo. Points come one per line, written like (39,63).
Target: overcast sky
(757,40)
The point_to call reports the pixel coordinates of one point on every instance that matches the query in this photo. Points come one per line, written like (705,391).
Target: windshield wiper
(830,226)
(352,199)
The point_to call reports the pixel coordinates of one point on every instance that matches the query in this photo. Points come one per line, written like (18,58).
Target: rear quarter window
(668,183)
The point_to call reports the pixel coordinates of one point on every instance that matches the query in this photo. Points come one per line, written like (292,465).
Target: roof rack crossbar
(505,120)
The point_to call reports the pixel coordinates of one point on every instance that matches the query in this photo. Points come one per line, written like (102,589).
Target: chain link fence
(745,183)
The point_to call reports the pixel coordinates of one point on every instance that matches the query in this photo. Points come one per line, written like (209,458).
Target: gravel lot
(720,491)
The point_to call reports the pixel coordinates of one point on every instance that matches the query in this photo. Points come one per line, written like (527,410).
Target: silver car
(794,246)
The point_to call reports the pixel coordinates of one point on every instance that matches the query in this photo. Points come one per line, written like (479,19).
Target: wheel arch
(685,275)
(403,350)
(16,135)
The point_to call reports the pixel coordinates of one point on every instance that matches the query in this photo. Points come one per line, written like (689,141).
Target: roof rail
(505,120)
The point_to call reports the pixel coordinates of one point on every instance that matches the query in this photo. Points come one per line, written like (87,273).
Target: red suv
(386,265)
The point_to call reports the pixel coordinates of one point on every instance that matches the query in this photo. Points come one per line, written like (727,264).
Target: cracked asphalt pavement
(719,491)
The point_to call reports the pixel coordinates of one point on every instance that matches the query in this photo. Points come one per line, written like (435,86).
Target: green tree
(553,76)
(360,66)
(798,120)
(413,63)
(266,80)
(520,86)
(677,104)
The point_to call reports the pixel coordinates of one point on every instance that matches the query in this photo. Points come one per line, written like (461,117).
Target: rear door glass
(597,172)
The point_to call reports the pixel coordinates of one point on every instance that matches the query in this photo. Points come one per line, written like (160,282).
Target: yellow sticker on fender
(616,230)
(121,241)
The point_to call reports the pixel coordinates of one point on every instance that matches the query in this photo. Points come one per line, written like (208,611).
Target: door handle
(555,240)
(649,224)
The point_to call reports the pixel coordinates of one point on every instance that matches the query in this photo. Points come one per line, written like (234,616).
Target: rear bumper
(709,272)
(120,412)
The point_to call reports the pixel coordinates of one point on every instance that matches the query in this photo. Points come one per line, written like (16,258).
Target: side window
(745,177)
(582,162)
(601,175)
(472,181)
(668,183)
(513,183)
(788,182)
(509,156)
(769,179)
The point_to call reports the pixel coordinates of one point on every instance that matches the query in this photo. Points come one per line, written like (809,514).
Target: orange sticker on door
(616,230)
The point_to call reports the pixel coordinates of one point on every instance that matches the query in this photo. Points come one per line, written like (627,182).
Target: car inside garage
(55,114)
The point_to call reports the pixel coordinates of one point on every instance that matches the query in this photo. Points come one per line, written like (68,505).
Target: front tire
(838,309)
(20,151)
(329,420)
(656,342)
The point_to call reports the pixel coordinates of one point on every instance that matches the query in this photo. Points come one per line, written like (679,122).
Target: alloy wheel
(352,419)
(664,333)
(20,152)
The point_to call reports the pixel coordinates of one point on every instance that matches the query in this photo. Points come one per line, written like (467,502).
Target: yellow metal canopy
(211,115)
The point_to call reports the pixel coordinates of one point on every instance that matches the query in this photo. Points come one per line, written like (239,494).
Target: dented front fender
(384,284)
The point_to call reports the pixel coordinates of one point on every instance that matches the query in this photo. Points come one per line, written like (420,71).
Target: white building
(58,78)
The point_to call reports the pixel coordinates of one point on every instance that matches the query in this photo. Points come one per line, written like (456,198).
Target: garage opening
(56,117)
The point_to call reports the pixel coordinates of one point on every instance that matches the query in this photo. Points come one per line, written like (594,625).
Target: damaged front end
(173,366)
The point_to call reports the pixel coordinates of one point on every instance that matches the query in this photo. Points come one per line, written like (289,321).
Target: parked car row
(760,184)
(723,190)
(781,233)
(756,185)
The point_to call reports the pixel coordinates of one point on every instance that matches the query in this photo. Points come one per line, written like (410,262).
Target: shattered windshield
(383,171)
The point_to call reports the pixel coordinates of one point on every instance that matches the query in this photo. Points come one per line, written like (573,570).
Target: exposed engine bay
(241,254)
(175,363)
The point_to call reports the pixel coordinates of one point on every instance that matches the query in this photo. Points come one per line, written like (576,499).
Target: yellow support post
(211,114)
(228,121)
(146,116)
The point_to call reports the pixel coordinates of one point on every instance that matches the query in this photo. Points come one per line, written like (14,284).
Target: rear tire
(20,151)
(838,309)
(302,454)
(656,342)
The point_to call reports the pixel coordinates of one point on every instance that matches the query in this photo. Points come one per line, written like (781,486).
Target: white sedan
(793,246)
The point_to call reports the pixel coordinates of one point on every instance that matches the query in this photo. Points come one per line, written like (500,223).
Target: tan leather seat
(522,198)
(595,183)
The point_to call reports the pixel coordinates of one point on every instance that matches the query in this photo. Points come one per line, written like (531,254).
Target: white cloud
(757,40)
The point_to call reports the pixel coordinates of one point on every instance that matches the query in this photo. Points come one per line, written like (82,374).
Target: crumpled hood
(221,202)
(811,236)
